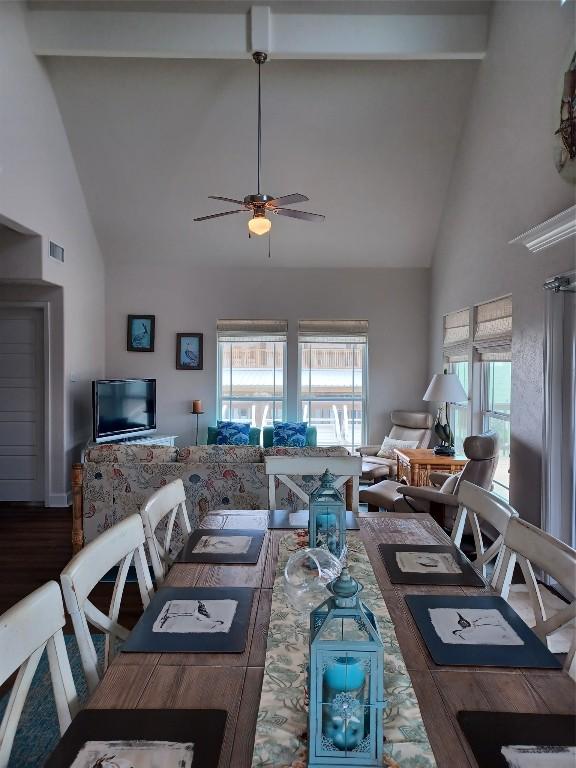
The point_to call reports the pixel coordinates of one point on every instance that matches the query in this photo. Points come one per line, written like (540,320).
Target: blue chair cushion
(289,434)
(253,436)
(268,437)
(232,433)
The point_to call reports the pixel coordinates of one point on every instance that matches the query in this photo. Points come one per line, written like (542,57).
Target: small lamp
(444,388)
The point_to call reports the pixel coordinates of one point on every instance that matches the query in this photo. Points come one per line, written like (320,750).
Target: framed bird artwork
(140,334)
(189,351)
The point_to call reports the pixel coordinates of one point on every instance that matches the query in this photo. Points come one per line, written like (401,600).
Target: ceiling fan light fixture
(259,225)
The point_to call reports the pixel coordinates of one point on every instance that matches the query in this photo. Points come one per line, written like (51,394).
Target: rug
(38,730)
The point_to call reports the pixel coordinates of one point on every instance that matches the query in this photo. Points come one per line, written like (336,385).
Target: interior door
(21,404)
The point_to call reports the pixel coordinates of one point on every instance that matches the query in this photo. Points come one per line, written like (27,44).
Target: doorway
(22,383)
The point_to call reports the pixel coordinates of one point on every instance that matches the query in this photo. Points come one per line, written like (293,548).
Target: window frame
(466,407)
(486,413)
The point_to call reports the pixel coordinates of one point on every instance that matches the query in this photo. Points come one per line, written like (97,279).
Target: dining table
(233,681)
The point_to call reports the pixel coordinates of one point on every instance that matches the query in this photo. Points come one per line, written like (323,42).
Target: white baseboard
(60,499)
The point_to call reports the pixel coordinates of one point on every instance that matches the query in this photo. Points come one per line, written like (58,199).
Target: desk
(233,681)
(415,464)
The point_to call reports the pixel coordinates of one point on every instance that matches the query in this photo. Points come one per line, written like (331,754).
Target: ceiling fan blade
(288,200)
(217,215)
(299,214)
(226,199)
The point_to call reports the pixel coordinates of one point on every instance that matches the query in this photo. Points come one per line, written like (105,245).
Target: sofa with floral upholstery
(114,480)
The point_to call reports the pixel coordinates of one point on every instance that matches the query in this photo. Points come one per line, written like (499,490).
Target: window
(492,341)
(333,380)
(456,359)
(252,371)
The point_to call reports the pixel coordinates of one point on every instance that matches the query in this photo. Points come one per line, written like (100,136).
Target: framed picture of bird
(140,336)
(189,351)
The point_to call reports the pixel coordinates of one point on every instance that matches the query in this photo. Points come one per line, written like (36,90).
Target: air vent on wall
(56,252)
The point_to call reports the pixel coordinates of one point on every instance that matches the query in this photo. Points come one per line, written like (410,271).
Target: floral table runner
(282,716)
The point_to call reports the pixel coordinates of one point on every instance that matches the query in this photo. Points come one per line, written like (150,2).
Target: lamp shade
(445,388)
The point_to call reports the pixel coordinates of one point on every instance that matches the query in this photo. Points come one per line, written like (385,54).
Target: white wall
(504,182)
(192,299)
(40,190)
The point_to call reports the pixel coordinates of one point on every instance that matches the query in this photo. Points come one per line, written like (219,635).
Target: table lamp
(444,388)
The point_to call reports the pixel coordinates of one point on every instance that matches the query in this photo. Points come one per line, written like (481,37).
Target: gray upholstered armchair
(482,452)
(406,425)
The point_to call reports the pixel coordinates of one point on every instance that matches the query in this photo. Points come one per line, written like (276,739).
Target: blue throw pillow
(290,434)
(232,433)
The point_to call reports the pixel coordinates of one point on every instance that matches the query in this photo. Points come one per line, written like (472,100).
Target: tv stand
(143,440)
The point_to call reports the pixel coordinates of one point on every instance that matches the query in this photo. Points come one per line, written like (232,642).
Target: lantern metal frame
(370,652)
(331,535)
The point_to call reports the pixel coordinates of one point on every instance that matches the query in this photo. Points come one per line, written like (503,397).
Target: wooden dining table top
(233,681)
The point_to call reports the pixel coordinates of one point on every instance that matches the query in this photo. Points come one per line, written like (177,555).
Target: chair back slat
(26,629)
(532,548)
(166,504)
(120,545)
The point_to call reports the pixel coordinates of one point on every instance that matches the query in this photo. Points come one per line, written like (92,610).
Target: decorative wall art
(565,135)
(193,620)
(189,351)
(232,546)
(513,740)
(477,631)
(281,518)
(438,564)
(143,738)
(140,334)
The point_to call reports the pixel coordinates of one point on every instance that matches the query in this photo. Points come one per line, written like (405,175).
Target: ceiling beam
(234,34)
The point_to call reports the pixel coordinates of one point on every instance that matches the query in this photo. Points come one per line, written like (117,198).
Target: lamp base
(444,450)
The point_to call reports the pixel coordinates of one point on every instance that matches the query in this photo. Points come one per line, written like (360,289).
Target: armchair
(406,425)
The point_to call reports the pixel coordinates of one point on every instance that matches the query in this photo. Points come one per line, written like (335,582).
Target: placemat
(282,518)
(477,631)
(203,727)
(488,732)
(193,620)
(282,716)
(222,546)
(434,564)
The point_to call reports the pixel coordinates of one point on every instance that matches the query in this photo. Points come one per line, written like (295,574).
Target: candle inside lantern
(343,711)
(196,406)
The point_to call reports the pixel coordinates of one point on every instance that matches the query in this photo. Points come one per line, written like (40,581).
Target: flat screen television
(123,408)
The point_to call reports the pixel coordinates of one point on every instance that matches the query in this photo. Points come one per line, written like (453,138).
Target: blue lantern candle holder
(327,517)
(346,680)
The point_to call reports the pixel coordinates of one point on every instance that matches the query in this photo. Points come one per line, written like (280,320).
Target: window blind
(252,330)
(335,331)
(456,336)
(493,329)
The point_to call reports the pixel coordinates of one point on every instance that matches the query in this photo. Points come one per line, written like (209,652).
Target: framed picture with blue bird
(189,351)
(140,337)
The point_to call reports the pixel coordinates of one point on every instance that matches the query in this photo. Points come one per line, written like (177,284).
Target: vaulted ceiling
(370,142)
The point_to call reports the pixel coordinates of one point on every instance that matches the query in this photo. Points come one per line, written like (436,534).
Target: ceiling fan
(259,205)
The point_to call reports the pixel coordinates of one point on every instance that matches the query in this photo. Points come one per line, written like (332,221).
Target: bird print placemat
(516,740)
(193,620)
(222,546)
(444,565)
(477,631)
(141,738)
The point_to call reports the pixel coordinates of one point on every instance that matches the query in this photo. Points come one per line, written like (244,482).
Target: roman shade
(337,331)
(456,336)
(252,330)
(493,330)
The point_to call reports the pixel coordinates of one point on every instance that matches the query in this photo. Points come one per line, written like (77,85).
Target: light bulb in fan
(259,225)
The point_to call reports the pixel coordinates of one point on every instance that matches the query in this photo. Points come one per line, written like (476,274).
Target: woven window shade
(252,330)
(457,327)
(456,356)
(501,354)
(336,331)
(494,322)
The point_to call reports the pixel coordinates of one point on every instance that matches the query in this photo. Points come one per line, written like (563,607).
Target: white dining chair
(532,549)
(168,504)
(120,545)
(26,629)
(475,506)
(284,468)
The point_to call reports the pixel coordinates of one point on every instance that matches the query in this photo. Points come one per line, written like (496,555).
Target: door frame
(46,329)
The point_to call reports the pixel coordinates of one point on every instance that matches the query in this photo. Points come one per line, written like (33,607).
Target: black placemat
(467,577)
(188,555)
(281,518)
(203,727)
(488,732)
(143,640)
(531,653)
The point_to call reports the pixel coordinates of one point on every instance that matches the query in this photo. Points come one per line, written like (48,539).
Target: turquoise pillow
(290,434)
(232,433)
